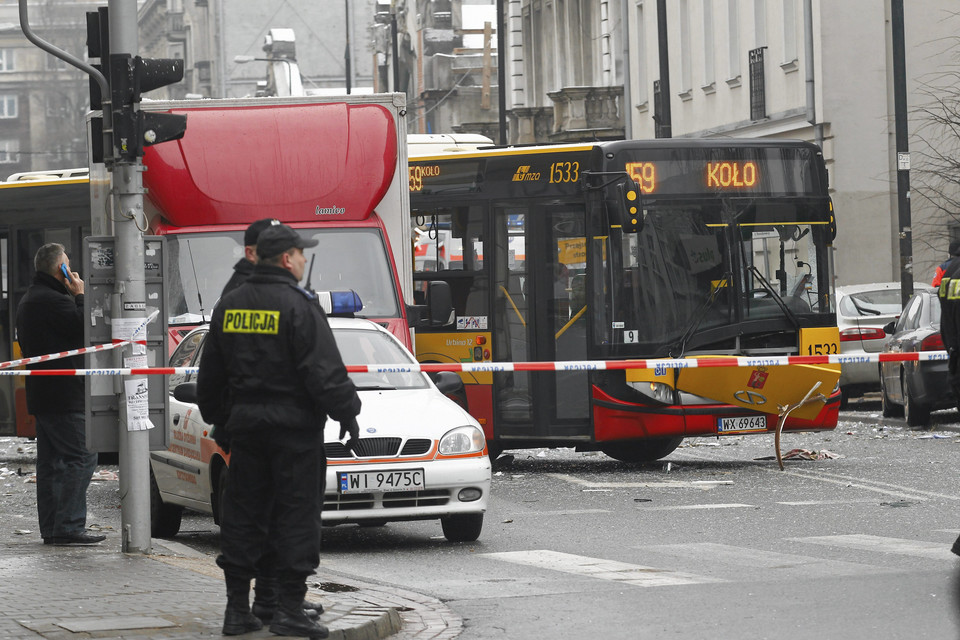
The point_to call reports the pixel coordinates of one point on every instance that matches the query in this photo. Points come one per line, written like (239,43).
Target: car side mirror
(186,392)
(889,327)
(447,381)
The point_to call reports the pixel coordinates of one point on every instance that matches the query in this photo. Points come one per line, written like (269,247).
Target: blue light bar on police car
(339,302)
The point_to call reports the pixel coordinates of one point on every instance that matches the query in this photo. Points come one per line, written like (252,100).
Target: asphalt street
(851,540)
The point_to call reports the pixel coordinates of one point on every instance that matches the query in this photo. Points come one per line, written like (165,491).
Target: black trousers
(273,491)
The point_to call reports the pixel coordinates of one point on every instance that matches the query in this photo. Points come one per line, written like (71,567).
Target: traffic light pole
(130,291)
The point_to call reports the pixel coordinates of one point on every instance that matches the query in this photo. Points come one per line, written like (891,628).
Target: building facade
(814,70)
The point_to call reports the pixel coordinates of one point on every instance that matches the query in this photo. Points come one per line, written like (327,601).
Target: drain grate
(336,587)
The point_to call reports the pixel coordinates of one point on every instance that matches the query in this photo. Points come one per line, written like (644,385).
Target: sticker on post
(138,408)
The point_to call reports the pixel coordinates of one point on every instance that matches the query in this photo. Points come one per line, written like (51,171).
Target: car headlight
(466,439)
(654,390)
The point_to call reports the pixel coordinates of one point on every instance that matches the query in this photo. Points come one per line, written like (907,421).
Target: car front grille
(391,500)
(379,448)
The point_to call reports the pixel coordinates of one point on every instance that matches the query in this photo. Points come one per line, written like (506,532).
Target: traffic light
(134,129)
(128,78)
(630,200)
(98,46)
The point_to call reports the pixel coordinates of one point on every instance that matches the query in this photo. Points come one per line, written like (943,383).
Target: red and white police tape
(78,352)
(497,367)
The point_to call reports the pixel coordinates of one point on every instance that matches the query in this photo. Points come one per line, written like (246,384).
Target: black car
(914,389)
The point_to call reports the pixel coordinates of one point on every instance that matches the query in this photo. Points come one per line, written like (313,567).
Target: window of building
(8,105)
(9,151)
(642,94)
(733,42)
(758,99)
(6,60)
(789,35)
(709,55)
(760,23)
(685,50)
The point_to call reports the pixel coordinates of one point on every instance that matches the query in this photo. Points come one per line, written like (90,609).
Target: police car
(420,456)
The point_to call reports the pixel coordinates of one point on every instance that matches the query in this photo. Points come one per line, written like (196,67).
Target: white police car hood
(405,413)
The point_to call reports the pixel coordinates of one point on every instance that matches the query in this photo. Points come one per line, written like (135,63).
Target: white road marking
(676,484)
(900,546)
(910,493)
(704,554)
(820,503)
(620,572)
(558,512)
(684,507)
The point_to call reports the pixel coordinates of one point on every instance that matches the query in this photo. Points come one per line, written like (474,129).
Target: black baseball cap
(254,230)
(276,239)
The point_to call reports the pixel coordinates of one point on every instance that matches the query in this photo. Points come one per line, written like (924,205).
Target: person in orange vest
(954,251)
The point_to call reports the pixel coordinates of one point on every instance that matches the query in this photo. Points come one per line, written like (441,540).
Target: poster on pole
(138,406)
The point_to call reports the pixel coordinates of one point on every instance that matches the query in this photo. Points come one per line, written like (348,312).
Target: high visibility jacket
(270,360)
(949,294)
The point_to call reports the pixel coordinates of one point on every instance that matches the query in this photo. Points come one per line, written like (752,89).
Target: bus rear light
(863,333)
(932,342)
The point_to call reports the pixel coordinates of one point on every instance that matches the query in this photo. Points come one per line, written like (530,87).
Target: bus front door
(540,315)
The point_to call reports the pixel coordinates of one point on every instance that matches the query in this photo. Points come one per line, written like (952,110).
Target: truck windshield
(200,264)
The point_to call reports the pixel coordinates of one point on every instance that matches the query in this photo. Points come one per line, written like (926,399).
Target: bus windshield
(357,259)
(698,270)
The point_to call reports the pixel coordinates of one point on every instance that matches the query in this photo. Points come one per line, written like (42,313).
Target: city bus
(613,251)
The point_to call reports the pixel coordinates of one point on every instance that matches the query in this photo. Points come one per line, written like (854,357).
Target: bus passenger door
(540,315)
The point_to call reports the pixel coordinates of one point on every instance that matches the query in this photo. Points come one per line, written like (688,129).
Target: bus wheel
(164,518)
(462,527)
(642,450)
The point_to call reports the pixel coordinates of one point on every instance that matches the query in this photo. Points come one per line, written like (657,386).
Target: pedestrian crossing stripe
(598,568)
(899,546)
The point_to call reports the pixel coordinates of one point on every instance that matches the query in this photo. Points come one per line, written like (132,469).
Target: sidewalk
(98,592)
(175,592)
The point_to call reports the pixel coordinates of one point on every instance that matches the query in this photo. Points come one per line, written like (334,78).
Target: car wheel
(164,518)
(462,527)
(916,414)
(844,399)
(888,408)
(646,450)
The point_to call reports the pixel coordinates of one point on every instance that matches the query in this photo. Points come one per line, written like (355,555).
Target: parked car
(914,389)
(862,312)
(421,456)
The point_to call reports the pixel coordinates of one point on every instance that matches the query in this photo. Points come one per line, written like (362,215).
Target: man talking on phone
(50,320)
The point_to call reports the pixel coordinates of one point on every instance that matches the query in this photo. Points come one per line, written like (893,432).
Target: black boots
(267,597)
(290,619)
(237,620)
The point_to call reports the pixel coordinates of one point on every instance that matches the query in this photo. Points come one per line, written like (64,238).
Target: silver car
(862,311)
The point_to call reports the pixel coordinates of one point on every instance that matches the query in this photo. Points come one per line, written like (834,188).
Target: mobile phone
(65,272)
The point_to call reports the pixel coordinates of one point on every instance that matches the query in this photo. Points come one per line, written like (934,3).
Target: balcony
(587,113)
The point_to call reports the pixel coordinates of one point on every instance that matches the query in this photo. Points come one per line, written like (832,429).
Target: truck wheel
(642,450)
(164,518)
(462,527)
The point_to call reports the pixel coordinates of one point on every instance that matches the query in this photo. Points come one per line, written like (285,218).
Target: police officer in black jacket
(50,320)
(271,374)
(243,269)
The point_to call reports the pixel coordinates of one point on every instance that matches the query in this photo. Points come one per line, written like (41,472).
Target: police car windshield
(202,263)
(360,346)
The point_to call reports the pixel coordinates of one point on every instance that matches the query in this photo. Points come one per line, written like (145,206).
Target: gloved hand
(350,427)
